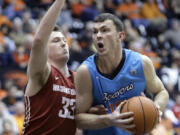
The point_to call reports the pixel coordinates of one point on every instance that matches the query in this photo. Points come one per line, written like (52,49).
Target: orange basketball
(145,113)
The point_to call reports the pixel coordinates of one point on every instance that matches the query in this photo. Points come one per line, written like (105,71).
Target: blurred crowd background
(152,28)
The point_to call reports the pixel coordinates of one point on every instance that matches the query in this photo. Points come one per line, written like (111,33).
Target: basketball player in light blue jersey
(110,77)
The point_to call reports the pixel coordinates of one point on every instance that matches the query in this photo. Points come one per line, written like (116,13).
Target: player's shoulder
(146,60)
(147,63)
(82,69)
(82,72)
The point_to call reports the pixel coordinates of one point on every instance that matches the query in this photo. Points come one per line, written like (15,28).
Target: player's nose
(99,35)
(63,45)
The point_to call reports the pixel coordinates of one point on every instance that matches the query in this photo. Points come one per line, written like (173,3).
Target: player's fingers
(130,126)
(160,115)
(125,121)
(125,115)
(119,107)
(159,112)
(142,94)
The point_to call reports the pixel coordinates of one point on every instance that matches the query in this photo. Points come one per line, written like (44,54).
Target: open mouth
(100,45)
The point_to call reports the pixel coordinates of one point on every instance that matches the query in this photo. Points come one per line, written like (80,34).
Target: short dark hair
(56,28)
(107,16)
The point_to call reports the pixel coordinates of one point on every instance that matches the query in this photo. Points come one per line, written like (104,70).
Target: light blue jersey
(128,82)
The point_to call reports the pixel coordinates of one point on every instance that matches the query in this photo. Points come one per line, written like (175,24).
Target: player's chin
(64,57)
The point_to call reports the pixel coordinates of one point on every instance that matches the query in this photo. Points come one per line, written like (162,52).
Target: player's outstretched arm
(84,99)
(38,68)
(154,84)
(38,58)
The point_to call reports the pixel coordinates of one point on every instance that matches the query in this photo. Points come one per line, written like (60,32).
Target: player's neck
(107,64)
(62,67)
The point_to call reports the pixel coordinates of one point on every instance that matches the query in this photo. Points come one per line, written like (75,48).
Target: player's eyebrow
(100,28)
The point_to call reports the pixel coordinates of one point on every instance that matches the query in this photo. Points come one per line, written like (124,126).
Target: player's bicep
(153,83)
(83,86)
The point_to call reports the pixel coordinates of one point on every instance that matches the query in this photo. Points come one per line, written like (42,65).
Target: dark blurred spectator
(109,6)
(8,42)
(170,75)
(27,22)
(7,128)
(129,9)
(18,33)
(165,57)
(1,3)
(85,37)
(3,94)
(176,107)
(18,26)
(16,77)
(168,114)
(14,8)
(65,17)
(83,9)
(131,32)
(99,4)
(150,11)
(7,47)
(13,96)
(5,116)
(89,11)
(80,49)
(172,35)
(152,55)
(174,9)
(76,57)
(4,19)
(19,115)
(20,57)
(162,5)
(46,3)
(77,8)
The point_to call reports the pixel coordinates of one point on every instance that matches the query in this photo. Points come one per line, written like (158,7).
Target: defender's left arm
(154,84)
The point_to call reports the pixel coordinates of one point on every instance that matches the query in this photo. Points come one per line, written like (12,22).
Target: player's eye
(56,39)
(104,30)
(95,31)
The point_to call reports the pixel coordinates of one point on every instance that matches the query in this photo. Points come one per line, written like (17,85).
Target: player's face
(58,47)
(105,37)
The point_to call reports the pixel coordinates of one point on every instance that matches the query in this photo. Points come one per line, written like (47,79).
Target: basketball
(145,113)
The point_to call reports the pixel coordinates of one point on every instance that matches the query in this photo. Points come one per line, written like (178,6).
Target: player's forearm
(92,121)
(48,21)
(161,99)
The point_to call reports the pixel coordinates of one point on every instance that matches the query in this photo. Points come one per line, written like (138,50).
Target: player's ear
(122,35)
